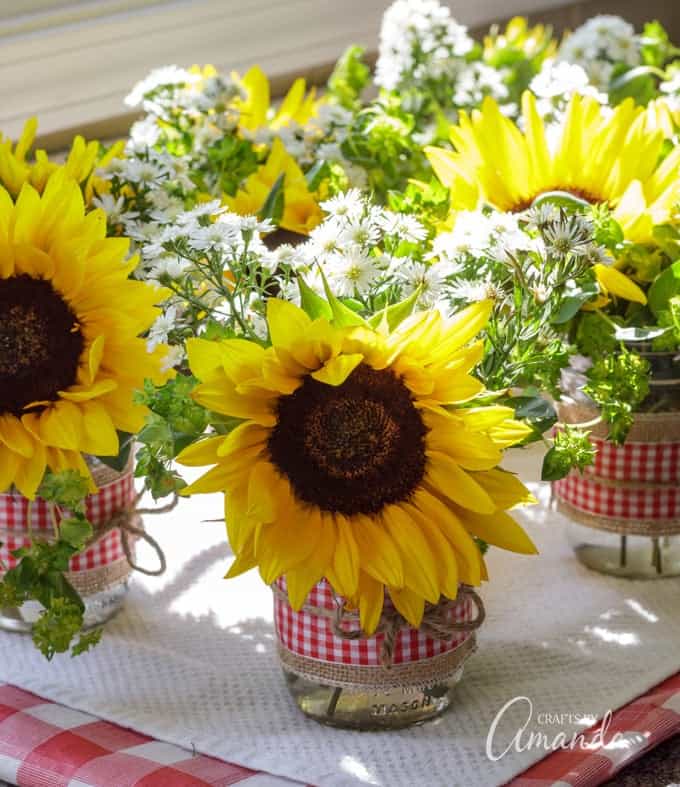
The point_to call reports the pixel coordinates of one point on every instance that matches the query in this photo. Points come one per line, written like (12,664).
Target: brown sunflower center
(40,343)
(352,448)
(588,196)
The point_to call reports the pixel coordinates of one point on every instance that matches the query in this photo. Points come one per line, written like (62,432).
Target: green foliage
(349,78)
(67,488)
(380,140)
(229,161)
(175,422)
(535,410)
(618,383)
(571,449)
(664,288)
(40,573)
(669,319)
(594,335)
(656,48)
(428,201)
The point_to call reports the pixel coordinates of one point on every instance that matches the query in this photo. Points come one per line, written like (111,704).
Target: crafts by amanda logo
(544,730)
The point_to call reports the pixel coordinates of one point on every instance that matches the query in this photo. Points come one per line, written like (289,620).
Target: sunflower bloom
(356,459)
(301,211)
(81,162)
(70,318)
(601,159)
(256,111)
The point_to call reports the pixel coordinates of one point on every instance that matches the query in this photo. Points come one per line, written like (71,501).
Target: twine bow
(436,622)
(123,520)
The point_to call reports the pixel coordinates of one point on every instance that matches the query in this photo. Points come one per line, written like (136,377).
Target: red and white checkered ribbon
(629,466)
(310,635)
(100,507)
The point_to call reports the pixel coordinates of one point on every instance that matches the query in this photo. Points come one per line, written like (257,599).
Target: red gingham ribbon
(100,508)
(655,463)
(306,634)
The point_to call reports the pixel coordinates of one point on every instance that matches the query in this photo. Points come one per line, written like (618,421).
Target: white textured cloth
(191,660)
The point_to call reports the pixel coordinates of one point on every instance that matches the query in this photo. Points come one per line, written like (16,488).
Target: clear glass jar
(99,608)
(355,709)
(634,557)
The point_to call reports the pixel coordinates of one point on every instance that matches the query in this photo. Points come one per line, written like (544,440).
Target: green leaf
(343,316)
(274,204)
(668,237)
(537,411)
(637,334)
(553,466)
(75,531)
(574,300)
(562,199)
(632,74)
(395,314)
(665,287)
(119,462)
(312,303)
(87,642)
(316,175)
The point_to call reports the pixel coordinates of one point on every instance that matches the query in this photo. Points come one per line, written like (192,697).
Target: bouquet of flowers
(72,356)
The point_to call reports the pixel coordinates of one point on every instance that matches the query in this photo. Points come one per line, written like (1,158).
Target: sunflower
(357,458)
(612,159)
(256,111)
(301,211)
(81,162)
(70,356)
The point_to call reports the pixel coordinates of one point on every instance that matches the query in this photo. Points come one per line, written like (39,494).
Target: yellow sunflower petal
(337,370)
(380,557)
(506,490)
(346,560)
(371,599)
(420,570)
(616,283)
(500,530)
(409,605)
(449,479)
(14,435)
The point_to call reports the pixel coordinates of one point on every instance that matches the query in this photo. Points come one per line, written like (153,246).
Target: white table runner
(191,660)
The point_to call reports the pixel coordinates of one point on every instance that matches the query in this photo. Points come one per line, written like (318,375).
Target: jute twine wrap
(421,673)
(127,520)
(648,428)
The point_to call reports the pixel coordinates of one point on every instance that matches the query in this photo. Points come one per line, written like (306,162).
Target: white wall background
(72,62)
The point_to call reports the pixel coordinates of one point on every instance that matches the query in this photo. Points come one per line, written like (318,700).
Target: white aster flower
(350,204)
(600,43)
(418,38)
(144,133)
(351,272)
(173,358)
(167,265)
(212,208)
(402,225)
(158,333)
(472,234)
(359,232)
(217,235)
(159,77)
(114,209)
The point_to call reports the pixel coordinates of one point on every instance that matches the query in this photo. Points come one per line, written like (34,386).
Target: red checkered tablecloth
(43,744)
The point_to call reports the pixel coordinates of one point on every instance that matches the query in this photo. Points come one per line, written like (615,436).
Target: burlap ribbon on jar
(418,674)
(656,429)
(127,520)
